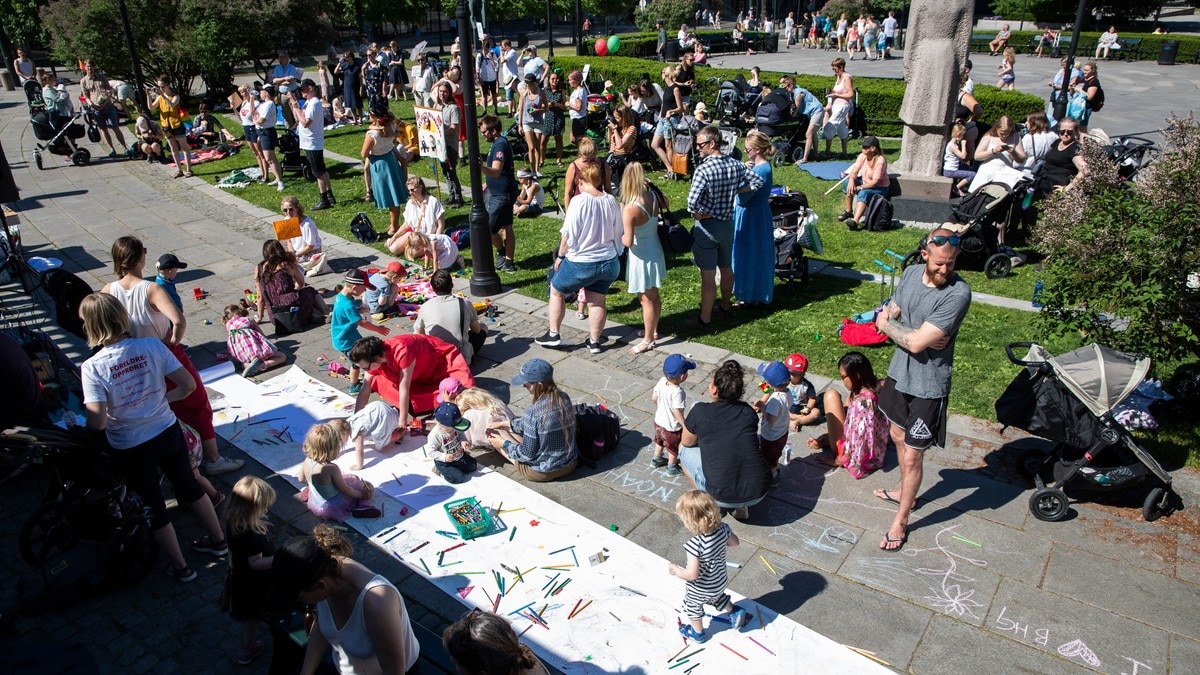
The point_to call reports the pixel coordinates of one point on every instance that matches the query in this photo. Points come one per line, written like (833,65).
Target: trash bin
(771,42)
(671,50)
(1167,53)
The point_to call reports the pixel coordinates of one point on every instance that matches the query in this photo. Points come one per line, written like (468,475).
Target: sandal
(368,197)
(642,347)
(187,174)
(178,174)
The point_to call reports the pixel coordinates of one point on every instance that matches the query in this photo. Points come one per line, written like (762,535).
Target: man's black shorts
(500,211)
(923,419)
(316,161)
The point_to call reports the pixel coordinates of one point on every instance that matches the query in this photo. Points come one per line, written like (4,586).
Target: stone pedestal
(921,200)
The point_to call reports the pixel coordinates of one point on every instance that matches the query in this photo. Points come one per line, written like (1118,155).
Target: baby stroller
(980,215)
(1069,399)
(735,105)
(792,218)
(598,107)
(520,146)
(59,141)
(1130,153)
(291,158)
(85,503)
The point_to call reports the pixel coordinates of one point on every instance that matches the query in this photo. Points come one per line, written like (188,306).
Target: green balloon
(614,43)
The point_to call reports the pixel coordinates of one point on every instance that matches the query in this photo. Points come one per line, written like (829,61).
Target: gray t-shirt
(441,317)
(927,374)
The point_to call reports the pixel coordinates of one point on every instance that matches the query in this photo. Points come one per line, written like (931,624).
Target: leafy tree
(1123,259)
(672,12)
(1118,11)
(21,22)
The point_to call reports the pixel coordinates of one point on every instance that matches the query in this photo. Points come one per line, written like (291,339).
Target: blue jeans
(689,459)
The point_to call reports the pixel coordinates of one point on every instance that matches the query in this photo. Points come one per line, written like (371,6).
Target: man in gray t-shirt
(923,319)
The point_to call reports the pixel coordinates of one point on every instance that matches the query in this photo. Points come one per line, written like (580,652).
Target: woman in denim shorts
(586,257)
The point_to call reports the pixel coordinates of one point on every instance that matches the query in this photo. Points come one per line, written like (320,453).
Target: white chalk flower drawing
(950,596)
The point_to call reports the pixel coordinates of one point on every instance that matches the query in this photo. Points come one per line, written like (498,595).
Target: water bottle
(1037,294)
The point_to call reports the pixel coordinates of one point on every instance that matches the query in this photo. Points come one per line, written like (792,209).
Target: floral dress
(373,75)
(552,121)
(866,435)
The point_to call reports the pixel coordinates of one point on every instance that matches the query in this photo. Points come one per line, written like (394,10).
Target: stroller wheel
(997,266)
(1049,504)
(81,157)
(37,159)
(1160,502)
(780,159)
(913,257)
(46,533)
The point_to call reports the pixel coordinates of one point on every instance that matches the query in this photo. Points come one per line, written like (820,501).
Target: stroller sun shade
(1098,376)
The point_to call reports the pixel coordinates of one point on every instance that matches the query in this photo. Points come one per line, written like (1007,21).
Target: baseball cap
(775,373)
(796,363)
(168,261)
(357,277)
(308,83)
(448,388)
(677,364)
(534,370)
(396,267)
(449,415)
(870,142)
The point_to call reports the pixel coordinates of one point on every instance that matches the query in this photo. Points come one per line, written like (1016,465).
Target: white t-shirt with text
(130,377)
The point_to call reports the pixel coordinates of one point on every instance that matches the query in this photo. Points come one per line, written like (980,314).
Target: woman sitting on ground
(278,280)
(542,443)
(423,213)
(857,432)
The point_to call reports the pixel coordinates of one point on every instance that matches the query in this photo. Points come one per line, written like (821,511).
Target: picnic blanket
(826,170)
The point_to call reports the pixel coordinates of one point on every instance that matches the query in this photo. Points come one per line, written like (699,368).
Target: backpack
(861,334)
(461,236)
(362,229)
(878,216)
(68,292)
(598,430)
(866,435)
(64,578)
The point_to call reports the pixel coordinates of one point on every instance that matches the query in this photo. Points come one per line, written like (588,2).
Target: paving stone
(1095,529)
(1086,635)
(1187,558)
(1185,654)
(951,647)
(801,535)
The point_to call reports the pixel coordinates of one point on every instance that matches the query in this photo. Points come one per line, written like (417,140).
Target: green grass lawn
(805,320)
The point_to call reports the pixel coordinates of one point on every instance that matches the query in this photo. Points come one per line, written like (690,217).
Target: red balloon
(601,47)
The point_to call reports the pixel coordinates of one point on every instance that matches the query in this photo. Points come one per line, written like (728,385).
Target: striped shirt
(709,549)
(715,185)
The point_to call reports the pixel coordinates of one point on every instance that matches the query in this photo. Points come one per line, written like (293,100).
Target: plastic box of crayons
(469,518)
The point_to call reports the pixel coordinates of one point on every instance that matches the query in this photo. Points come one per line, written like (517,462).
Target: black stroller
(980,215)
(1069,399)
(85,502)
(792,218)
(59,141)
(291,158)
(735,105)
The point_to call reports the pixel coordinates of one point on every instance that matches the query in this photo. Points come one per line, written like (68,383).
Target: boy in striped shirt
(706,573)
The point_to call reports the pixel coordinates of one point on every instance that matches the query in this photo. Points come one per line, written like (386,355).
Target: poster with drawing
(429,133)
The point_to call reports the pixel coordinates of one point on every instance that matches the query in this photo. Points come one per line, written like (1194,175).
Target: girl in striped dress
(247,344)
(706,574)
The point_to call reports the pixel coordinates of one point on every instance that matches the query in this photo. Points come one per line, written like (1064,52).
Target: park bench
(1131,48)
(980,41)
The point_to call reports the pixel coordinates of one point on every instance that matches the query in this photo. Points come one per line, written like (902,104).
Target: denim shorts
(864,195)
(106,118)
(500,211)
(268,138)
(250,132)
(712,244)
(590,276)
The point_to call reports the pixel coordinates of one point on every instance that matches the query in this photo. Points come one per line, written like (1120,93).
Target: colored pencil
(691,654)
(552,580)
(419,547)
(426,567)
(519,508)
(572,613)
(734,651)
(533,617)
(560,550)
(685,642)
(458,545)
(578,611)
(236,434)
(272,419)
(500,506)
(520,609)
(682,650)
(394,536)
(522,632)
(615,616)
(557,567)
(761,645)
(626,588)
(574,558)
(511,534)
(694,666)
(470,572)
(456,562)
(680,663)
(448,535)
(397,479)
(764,559)
(560,588)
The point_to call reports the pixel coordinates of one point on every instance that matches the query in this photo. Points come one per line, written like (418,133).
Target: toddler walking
(706,574)
(377,422)
(332,494)
(251,554)
(447,445)
(774,423)
(246,342)
(669,400)
(347,319)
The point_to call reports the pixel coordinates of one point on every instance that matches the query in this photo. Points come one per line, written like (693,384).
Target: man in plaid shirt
(717,180)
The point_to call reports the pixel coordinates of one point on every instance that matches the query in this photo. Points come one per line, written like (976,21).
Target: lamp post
(550,29)
(1060,103)
(138,82)
(577,31)
(484,280)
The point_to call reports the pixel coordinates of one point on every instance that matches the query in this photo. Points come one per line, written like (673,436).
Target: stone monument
(936,47)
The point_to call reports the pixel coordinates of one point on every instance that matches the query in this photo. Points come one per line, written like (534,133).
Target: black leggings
(144,464)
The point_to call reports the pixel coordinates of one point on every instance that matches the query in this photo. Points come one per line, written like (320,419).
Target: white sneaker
(222,465)
(279,186)
(741,513)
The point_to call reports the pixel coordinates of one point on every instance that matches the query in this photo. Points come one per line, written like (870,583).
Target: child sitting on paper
(706,574)
(447,447)
(332,494)
(377,422)
(774,423)
(246,342)
(804,408)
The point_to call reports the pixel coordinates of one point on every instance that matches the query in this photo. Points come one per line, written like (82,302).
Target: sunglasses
(943,240)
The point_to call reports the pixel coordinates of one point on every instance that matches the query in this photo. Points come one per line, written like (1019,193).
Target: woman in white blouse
(423,213)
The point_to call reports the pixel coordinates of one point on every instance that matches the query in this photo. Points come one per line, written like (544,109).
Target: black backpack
(597,432)
(68,292)
(362,229)
(878,216)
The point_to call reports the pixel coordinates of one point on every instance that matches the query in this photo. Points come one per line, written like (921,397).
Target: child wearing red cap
(804,395)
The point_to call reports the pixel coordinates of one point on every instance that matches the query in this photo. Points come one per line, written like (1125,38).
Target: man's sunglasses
(943,240)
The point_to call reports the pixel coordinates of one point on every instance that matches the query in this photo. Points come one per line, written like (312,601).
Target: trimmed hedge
(880,98)
(1189,45)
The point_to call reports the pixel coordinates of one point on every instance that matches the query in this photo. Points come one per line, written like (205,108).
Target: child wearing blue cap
(669,398)
(447,447)
(774,423)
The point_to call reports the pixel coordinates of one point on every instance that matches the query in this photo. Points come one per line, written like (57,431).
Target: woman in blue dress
(647,268)
(753,229)
(348,68)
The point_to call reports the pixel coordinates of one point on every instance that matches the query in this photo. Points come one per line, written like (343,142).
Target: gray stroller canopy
(1098,376)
